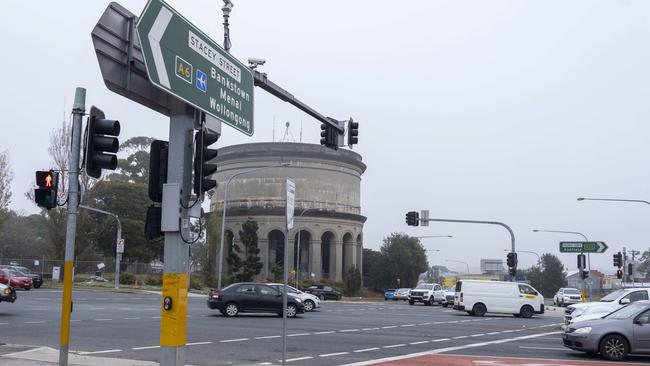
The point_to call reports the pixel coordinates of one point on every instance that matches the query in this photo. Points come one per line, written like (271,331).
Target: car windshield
(613,296)
(571,291)
(424,286)
(16,273)
(626,311)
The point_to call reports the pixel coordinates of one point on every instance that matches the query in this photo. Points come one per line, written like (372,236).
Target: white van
(480,297)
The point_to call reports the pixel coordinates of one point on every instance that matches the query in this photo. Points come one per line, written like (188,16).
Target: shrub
(153,280)
(127,278)
(196,282)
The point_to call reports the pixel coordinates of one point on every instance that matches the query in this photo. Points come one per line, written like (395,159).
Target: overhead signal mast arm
(263,82)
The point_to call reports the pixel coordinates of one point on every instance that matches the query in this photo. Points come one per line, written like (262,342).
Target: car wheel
(479,310)
(526,311)
(321,297)
(614,348)
(27,288)
(37,286)
(411,302)
(231,309)
(291,311)
(470,313)
(309,305)
(445,305)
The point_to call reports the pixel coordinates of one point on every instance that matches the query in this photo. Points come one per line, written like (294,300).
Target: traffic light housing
(511,260)
(46,193)
(353,133)
(618,259)
(584,274)
(582,261)
(512,271)
(328,136)
(630,269)
(101,143)
(158,158)
(413,218)
(202,155)
(619,274)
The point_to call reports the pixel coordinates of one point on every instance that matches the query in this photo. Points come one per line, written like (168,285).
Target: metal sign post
(185,62)
(78,110)
(291,194)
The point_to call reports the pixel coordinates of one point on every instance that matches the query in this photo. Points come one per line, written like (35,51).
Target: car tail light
(461,297)
(215,294)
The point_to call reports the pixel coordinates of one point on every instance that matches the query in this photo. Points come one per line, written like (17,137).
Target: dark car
(37,279)
(614,336)
(324,292)
(252,298)
(15,279)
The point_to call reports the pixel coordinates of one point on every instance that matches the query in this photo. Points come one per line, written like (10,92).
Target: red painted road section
(460,360)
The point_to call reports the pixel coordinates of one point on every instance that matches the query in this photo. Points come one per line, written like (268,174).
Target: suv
(609,303)
(427,293)
(567,296)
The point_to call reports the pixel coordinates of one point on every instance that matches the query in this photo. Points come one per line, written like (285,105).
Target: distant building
(593,282)
(492,266)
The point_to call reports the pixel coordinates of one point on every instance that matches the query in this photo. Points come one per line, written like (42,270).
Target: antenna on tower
(288,136)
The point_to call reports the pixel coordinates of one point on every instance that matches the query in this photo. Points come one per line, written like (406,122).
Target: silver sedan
(614,336)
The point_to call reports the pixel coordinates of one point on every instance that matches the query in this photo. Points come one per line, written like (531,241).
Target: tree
(206,254)
(402,257)
(135,167)
(352,281)
(6,177)
(245,263)
(23,237)
(550,277)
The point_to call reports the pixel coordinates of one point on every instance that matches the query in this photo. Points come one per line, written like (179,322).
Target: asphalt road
(127,326)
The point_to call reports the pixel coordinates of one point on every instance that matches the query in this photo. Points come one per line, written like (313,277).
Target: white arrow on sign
(155,34)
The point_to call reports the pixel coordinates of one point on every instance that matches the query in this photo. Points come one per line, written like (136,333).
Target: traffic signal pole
(175,219)
(78,110)
(512,234)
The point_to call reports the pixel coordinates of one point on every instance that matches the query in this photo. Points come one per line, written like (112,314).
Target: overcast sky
(487,110)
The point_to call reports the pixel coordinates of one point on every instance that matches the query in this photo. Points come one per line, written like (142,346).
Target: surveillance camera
(256,61)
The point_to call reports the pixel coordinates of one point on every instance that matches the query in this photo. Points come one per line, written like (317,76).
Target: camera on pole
(413,218)
(202,155)
(47,182)
(101,143)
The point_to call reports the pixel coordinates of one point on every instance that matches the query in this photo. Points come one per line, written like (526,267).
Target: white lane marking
(395,345)
(407,325)
(147,347)
(348,330)
(133,318)
(155,317)
(450,349)
(299,358)
(327,332)
(234,340)
(8,323)
(477,335)
(98,352)
(197,343)
(36,322)
(507,331)
(424,324)
(440,340)
(421,342)
(492,333)
(366,329)
(75,320)
(298,334)
(102,320)
(333,354)
(545,348)
(97,308)
(460,337)
(268,337)
(366,350)
(389,327)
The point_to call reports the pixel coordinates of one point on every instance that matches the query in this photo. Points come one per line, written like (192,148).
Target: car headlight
(6,291)
(583,330)
(298,300)
(566,298)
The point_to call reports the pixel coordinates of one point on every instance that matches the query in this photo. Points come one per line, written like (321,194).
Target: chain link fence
(83,269)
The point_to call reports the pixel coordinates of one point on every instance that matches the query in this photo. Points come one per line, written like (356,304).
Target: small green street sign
(582,247)
(183,61)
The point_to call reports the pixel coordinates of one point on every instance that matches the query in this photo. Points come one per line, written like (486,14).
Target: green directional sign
(186,63)
(582,247)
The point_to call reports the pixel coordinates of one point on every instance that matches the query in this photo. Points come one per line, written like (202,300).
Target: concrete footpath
(45,356)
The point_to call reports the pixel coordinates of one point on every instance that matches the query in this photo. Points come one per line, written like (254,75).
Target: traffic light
(413,218)
(158,157)
(353,133)
(630,269)
(618,259)
(619,274)
(512,271)
(511,260)
(582,261)
(101,143)
(327,136)
(45,194)
(202,155)
(584,274)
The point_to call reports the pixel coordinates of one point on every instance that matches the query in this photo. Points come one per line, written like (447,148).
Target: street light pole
(465,263)
(118,254)
(225,205)
(588,256)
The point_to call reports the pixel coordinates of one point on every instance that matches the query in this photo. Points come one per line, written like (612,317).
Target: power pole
(78,110)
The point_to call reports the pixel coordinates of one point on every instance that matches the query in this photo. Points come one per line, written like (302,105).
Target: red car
(15,279)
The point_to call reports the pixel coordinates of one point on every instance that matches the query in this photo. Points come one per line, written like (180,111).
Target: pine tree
(245,263)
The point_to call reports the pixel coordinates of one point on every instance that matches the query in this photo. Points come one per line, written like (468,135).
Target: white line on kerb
(98,352)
